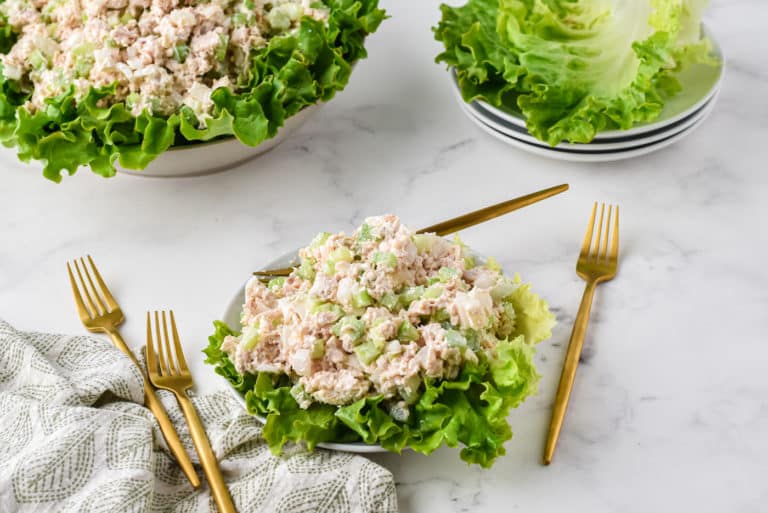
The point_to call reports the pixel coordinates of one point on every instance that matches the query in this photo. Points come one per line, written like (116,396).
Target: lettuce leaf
(470,410)
(290,73)
(573,67)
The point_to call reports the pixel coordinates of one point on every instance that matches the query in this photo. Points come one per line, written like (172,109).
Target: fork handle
(208,460)
(156,407)
(569,371)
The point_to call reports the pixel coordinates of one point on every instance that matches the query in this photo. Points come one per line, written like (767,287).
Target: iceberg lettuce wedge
(573,67)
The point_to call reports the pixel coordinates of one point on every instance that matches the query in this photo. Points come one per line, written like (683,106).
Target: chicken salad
(378,328)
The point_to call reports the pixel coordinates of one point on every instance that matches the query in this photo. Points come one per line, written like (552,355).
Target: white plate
(232,318)
(522,134)
(211,157)
(578,156)
(700,83)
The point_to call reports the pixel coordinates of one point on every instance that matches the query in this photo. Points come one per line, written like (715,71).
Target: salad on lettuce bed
(573,67)
(95,82)
(386,337)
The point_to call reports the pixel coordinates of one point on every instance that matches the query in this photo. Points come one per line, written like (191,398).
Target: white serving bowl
(211,157)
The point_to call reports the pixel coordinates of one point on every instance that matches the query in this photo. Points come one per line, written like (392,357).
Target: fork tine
(159,345)
(81,309)
(150,348)
(167,341)
(602,255)
(614,255)
(103,286)
(181,362)
(85,292)
(588,236)
(96,296)
(595,253)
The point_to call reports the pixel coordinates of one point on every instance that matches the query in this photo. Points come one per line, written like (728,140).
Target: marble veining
(670,407)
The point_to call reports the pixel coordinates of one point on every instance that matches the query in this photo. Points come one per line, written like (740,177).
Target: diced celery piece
(385,259)
(132,100)
(410,389)
(455,339)
(364,233)
(342,254)
(407,332)
(375,332)
(319,239)
(306,270)
(411,294)
(278,19)
(83,59)
(249,4)
(362,299)
(492,264)
(441,315)
(433,280)
(180,53)
(250,337)
(503,289)
(239,19)
(302,398)
(37,60)
(424,242)
(446,274)
(390,301)
(328,307)
(369,351)
(433,292)
(473,339)
(318,349)
(276,283)
(221,50)
(350,326)
(457,240)
(400,412)
(469,262)
(83,67)
(509,310)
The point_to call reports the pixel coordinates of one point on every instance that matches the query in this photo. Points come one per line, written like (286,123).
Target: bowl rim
(224,139)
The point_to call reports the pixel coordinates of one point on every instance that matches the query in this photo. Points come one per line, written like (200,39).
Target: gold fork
(457,223)
(173,374)
(103,314)
(597,263)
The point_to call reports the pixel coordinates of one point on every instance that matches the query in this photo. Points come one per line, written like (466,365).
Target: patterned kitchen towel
(74,437)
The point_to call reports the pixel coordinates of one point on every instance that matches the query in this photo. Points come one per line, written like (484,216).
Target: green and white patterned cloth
(74,437)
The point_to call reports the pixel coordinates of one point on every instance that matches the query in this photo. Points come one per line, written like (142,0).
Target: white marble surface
(670,407)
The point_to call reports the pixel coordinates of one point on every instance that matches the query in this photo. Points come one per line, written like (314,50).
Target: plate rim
(587,149)
(587,157)
(522,133)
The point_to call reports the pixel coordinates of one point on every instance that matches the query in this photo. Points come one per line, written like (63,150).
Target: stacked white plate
(681,115)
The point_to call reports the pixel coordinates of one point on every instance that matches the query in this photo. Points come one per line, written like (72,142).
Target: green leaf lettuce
(293,71)
(573,67)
